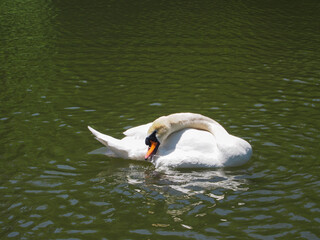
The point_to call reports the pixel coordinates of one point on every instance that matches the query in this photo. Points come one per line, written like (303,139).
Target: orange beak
(152,149)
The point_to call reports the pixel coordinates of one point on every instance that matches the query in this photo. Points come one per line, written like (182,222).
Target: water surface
(252,66)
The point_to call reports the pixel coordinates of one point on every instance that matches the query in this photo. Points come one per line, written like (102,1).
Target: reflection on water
(176,187)
(189,183)
(90,195)
(187,192)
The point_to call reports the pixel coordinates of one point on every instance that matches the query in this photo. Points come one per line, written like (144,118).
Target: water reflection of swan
(189,182)
(186,192)
(180,140)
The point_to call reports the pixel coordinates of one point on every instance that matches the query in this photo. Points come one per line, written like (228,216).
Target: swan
(179,140)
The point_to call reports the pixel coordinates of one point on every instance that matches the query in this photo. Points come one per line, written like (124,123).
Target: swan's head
(153,143)
(157,133)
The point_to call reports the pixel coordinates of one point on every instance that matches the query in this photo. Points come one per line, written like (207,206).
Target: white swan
(180,140)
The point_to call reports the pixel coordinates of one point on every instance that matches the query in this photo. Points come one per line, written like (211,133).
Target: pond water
(253,66)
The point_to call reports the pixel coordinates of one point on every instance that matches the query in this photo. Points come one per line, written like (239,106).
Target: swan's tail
(114,145)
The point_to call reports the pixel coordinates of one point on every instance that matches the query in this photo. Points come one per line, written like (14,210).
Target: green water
(253,66)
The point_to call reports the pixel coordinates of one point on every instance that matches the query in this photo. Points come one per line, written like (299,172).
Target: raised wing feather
(138,132)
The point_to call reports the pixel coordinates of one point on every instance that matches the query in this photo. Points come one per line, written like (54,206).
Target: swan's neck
(178,121)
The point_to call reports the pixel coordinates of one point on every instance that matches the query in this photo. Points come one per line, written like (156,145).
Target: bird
(179,140)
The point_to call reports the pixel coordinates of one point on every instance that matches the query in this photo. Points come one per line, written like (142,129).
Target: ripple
(72,108)
(58,173)
(42,225)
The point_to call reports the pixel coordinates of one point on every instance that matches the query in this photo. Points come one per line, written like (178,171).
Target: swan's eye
(148,141)
(151,137)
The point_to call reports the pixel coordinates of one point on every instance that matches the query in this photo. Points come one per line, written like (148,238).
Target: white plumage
(187,140)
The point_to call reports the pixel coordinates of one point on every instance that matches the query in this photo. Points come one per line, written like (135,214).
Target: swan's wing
(188,148)
(139,132)
(191,140)
(192,148)
(128,147)
(115,145)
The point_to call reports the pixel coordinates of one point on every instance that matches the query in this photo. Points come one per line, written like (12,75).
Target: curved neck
(179,121)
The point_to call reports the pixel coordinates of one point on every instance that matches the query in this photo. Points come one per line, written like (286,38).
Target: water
(252,66)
